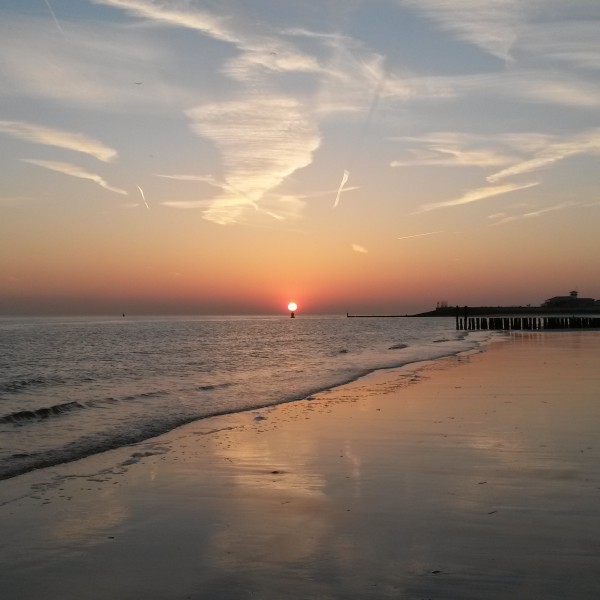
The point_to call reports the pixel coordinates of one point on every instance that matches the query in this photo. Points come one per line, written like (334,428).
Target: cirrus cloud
(39,134)
(73,171)
(478,194)
(553,152)
(262,141)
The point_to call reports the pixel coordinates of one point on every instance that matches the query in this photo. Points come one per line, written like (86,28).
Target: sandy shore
(472,477)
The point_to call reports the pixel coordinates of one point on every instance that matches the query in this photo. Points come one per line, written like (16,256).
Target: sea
(74,387)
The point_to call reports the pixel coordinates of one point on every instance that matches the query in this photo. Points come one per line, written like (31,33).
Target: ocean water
(73,387)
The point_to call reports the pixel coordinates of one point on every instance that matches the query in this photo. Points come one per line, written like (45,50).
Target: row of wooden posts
(526,323)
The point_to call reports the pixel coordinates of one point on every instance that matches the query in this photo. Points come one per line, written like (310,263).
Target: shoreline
(470,476)
(30,462)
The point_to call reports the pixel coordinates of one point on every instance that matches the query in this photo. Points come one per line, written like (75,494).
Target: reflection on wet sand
(471,479)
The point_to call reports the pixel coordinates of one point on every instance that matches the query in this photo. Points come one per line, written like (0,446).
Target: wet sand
(473,477)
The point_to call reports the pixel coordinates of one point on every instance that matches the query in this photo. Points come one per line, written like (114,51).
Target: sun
(292,306)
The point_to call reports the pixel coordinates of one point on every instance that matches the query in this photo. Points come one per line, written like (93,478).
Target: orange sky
(134,178)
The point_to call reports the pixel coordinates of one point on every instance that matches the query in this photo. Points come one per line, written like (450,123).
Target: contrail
(372,109)
(342,184)
(143,197)
(359,141)
(406,237)
(54,17)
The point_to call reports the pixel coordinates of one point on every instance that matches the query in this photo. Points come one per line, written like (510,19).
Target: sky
(231,156)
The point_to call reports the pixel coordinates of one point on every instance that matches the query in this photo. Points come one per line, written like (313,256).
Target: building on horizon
(571,301)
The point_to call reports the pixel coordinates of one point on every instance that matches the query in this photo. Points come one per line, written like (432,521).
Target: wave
(25,462)
(155,394)
(154,425)
(21,463)
(25,416)
(216,386)
(17,386)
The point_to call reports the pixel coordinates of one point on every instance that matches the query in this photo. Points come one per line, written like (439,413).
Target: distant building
(571,301)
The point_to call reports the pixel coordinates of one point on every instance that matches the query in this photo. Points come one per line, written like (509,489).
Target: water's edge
(30,462)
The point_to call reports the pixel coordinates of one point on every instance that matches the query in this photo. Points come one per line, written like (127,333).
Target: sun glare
(292,306)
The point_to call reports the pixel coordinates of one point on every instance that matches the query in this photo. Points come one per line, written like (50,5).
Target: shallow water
(74,387)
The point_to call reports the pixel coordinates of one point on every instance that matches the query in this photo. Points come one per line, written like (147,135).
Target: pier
(524,322)
(559,312)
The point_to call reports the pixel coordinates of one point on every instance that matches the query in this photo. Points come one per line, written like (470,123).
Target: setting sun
(292,306)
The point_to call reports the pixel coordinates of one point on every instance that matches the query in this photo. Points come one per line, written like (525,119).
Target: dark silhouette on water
(559,312)
(525,321)
(558,305)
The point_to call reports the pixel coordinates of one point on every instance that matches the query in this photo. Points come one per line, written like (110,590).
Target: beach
(473,476)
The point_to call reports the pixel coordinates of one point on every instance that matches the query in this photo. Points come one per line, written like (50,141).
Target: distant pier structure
(559,312)
(523,321)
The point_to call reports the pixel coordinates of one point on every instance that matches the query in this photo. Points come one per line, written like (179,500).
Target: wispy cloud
(264,137)
(523,152)
(38,134)
(534,39)
(227,210)
(143,197)
(283,208)
(416,235)
(341,187)
(586,143)
(572,42)
(460,149)
(96,69)
(359,249)
(502,218)
(491,25)
(266,123)
(262,140)
(451,157)
(477,195)
(539,86)
(176,14)
(199,178)
(560,89)
(451,149)
(187,204)
(73,171)
(211,181)
(326,193)
(56,21)
(260,50)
